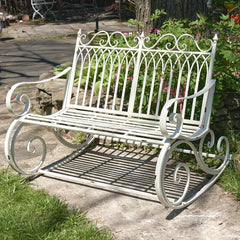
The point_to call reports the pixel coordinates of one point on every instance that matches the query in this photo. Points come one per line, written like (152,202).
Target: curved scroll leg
(87,142)
(9,148)
(210,144)
(173,180)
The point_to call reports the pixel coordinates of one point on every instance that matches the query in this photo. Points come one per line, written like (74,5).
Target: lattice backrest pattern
(132,76)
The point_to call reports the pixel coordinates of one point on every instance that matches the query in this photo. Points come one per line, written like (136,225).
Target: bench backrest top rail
(134,76)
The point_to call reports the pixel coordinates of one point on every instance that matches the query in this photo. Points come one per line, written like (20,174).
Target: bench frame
(42,7)
(167,131)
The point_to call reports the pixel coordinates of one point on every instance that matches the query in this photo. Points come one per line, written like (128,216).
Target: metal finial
(215,37)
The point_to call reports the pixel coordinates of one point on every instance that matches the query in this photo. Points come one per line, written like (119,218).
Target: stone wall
(50,94)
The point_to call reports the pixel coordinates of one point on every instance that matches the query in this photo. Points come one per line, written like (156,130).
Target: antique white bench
(42,7)
(136,91)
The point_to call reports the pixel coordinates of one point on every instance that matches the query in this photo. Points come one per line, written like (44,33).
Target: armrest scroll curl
(23,98)
(176,118)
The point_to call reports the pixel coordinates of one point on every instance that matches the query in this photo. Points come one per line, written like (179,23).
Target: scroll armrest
(176,118)
(23,98)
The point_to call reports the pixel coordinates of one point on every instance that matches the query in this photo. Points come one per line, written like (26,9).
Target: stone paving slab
(22,31)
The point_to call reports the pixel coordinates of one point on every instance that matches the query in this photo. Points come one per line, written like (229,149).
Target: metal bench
(131,90)
(42,7)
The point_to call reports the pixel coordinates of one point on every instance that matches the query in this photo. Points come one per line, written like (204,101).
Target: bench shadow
(131,169)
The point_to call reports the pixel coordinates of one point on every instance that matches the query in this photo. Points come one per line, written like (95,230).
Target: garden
(51,218)
(226,71)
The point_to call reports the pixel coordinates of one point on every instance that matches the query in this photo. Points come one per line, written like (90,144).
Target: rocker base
(120,171)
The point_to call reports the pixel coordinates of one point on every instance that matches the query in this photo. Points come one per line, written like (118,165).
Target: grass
(31,214)
(230,180)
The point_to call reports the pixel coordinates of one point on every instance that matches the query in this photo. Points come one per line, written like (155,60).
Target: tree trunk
(143,14)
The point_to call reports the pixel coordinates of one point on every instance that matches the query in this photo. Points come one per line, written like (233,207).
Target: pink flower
(130,78)
(115,76)
(172,93)
(126,34)
(155,100)
(237,74)
(165,88)
(157,31)
(164,82)
(181,109)
(150,30)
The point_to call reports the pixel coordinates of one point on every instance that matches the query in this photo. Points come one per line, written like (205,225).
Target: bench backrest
(132,76)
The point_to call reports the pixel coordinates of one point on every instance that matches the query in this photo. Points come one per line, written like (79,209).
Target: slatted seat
(134,130)
(131,90)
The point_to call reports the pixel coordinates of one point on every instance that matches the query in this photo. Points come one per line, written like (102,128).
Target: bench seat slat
(107,125)
(73,107)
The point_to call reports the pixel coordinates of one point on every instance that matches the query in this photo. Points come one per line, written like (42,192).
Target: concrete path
(23,31)
(214,216)
(22,61)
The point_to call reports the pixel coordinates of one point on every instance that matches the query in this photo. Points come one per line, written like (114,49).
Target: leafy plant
(227,68)
(134,22)
(156,15)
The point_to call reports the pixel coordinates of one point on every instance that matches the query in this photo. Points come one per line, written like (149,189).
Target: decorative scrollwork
(24,99)
(110,39)
(170,42)
(220,149)
(165,177)
(177,180)
(177,118)
(35,145)
(161,170)
(30,147)
(174,118)
(167,42)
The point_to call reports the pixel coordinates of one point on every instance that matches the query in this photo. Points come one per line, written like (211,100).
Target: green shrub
(226,67)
